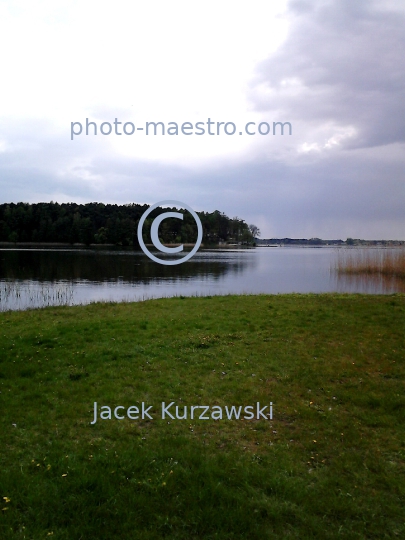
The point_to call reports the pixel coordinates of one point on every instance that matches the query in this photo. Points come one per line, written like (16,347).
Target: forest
(98,223)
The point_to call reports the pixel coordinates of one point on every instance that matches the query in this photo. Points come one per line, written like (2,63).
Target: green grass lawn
(330,464)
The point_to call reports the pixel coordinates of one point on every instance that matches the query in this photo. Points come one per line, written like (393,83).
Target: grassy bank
(329,465)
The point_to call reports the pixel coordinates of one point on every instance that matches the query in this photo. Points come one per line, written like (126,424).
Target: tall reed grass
(384,262)
(16,295)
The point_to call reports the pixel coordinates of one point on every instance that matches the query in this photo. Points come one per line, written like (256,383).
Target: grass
(329,465)
(390,263)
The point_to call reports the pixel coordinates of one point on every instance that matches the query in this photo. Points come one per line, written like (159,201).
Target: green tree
(13,237)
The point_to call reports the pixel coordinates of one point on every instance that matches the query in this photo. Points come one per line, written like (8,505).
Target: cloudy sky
(334,69)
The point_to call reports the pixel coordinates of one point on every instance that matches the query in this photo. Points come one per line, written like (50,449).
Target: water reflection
(108,265)
(366,283)
(39,277)
(32,278)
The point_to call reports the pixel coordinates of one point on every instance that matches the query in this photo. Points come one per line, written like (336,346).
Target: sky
(332,69)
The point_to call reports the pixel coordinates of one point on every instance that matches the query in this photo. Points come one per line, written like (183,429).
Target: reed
(385,262)
(23,295)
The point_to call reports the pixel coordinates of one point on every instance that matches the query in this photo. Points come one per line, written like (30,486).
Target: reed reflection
(370,283)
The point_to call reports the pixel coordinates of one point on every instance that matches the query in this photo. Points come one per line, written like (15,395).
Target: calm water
(37,277)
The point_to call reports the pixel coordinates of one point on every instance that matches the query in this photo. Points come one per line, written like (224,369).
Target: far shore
(66,244)
(365,244)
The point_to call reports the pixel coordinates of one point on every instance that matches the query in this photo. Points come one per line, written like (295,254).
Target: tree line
(98,223)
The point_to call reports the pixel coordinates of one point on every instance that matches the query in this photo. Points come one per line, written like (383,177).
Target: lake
(37,277)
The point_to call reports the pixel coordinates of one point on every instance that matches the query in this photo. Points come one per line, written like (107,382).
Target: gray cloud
(350,193)
(340,65)
(347,59)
